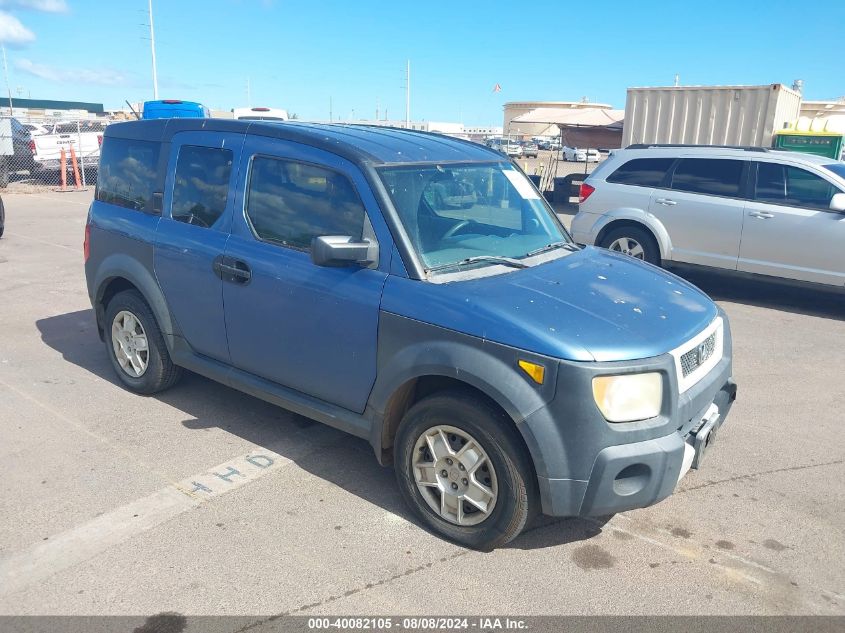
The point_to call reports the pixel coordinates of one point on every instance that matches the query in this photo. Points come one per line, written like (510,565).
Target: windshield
(837,168)
(454,213)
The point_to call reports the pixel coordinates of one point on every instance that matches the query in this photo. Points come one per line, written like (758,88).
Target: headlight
(628,397)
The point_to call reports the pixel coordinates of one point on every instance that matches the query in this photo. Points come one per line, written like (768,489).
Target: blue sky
(299,54)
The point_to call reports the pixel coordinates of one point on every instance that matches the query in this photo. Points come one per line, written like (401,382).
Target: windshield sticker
(522,184)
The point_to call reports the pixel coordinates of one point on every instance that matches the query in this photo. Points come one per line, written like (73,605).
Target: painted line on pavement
(45,242)
(76,545)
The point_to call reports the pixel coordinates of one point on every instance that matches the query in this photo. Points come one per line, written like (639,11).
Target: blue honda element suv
(413,290)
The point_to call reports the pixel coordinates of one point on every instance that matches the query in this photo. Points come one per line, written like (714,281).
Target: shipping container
(709,115)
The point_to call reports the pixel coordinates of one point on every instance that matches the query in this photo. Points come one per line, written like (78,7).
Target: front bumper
(588,467)
(641,474)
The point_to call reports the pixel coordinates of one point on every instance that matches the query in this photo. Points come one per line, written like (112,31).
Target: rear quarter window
(643,172)
(127,173)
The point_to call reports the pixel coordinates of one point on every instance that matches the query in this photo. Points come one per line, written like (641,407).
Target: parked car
(416,291)
(36,128)
(508,147)
(174,109)
(83,136)
(759,211)
(530,149)
(580,155)
(260,114)
(15,152)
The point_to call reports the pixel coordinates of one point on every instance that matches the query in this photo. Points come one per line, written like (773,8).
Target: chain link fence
(49,153)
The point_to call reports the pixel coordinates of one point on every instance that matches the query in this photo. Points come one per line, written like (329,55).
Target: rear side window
(644,172)
(201,184)
(291,203)
(127,173)
(782,184)
(715,177)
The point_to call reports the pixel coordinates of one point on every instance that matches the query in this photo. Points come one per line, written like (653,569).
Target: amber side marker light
(535,371)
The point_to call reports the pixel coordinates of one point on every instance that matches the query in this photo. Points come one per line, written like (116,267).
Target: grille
(698,355)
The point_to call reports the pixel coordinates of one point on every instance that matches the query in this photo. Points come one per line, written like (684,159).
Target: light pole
(153,51)
(6,75)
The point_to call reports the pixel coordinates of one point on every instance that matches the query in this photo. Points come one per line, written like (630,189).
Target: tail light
(100,140)
(585,192)
(86,245)
(32,146)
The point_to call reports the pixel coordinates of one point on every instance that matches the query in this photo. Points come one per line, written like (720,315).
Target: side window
(793,186)
(127,173)
(715,177)
(291,203)
(201,184)
(645,172)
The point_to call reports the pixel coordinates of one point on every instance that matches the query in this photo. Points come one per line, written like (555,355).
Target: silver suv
(752,210)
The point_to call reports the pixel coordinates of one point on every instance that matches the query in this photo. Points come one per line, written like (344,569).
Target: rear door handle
(666,202)
(763,215)
(232,270)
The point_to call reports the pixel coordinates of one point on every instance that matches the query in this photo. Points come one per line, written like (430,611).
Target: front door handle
(763,215)
(232,270)
(668,202)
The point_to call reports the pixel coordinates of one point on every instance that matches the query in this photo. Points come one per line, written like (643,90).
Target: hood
(591,305)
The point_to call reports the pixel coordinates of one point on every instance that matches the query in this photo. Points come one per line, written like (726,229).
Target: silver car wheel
(454,475)
(129,341)
(628,246)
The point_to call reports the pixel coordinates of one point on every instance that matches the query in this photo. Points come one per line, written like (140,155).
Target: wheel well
(109,290)
(616,224)
(412,392)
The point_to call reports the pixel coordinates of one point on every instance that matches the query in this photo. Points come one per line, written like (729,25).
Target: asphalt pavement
(203,500)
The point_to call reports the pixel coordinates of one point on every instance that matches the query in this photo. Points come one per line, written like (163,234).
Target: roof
(48,104)
(742,153)
(361,143)
(593,117)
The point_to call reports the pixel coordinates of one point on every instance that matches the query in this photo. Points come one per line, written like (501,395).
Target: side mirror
(837,202)
(343,250)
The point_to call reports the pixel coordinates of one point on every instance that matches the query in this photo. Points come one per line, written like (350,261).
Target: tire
(615,240)
(159,372)
(505,469)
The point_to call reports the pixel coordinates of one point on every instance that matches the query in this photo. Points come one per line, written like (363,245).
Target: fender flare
(120,265)
(648,220)
(489,368)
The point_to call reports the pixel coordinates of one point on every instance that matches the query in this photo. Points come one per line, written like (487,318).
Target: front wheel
(634,242)
(464,471)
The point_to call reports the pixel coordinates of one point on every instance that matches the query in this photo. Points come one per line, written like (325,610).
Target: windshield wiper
(550,247)
(492,259)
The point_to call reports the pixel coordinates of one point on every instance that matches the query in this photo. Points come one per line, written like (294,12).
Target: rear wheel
(633,241)
(462,468)
(136,347)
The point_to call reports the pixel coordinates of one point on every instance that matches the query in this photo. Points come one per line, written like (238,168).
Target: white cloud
(12,32)
(48,6)
(101,76)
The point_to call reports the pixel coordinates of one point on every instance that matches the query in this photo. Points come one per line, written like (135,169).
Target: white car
(507,147)
(745,210)
(580,155)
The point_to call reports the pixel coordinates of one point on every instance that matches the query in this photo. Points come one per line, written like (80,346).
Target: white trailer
(708,115)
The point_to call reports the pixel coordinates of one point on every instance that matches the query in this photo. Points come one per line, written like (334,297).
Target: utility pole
(153,51)
(677,80)
(6,75)
(408,96)
(330,109)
